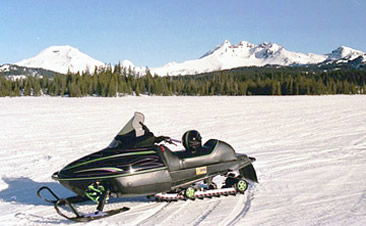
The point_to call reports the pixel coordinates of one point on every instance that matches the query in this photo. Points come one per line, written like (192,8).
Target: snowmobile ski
(78,217)
(72,199)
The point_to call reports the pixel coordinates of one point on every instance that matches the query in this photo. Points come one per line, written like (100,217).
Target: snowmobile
(137,164)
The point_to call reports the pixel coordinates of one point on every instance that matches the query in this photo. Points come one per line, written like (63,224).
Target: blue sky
(155,32)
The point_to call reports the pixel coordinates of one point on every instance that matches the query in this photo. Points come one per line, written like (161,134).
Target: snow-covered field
(310,150)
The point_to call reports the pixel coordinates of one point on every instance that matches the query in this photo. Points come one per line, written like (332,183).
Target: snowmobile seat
(213,151)
(206,149)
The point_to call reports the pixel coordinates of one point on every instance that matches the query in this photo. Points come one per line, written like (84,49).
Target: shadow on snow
(23,190)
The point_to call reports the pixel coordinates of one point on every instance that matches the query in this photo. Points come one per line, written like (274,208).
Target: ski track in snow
(310,151)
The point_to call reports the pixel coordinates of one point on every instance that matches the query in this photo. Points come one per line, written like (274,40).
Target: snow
(15,77)
(310,151)
(5,68)
(61,59)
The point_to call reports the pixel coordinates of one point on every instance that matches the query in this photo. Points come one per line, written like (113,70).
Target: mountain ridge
(224,56)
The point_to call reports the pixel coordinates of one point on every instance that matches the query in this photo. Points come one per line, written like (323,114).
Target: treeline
(117,81)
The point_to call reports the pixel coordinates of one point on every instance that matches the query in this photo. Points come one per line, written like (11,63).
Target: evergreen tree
(27,87)
(36,87)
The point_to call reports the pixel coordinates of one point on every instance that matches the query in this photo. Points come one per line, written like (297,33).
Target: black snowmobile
(135,165)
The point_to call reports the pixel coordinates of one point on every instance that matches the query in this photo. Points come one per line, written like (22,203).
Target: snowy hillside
(61,59)
(5,68)
(14,71)
(227,56)
(310,151)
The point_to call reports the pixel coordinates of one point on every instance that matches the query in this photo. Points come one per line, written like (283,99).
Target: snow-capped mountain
(226,56)
(61,59)
(344,54)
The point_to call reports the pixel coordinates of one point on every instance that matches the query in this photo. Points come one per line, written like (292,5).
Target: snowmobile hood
(112,163)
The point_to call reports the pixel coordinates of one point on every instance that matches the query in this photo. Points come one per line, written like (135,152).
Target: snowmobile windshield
(135,124)
(130,132)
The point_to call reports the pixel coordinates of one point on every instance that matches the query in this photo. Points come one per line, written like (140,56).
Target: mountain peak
(245,44)
(127,64)
(226,44)
(344,52)
(60,47)
(62,59)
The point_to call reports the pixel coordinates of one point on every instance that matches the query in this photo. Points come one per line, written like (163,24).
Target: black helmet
(192,140)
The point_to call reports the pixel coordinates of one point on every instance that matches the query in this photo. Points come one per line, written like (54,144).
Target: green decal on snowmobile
(110,157)
(112,176)
(111,169)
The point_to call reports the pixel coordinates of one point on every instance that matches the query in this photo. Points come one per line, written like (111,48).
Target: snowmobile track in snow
(250,196)
(35,219)
(240,208)
(152,214)
(207,213)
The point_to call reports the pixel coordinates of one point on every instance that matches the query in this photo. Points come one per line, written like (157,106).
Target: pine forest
(113,81)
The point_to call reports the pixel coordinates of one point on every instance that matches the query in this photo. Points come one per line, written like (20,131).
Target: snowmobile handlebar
(161,138)
(144,127)
(167,140)
(176,141)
